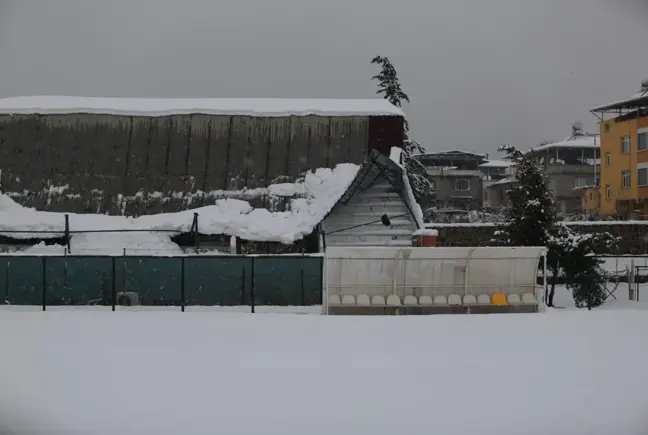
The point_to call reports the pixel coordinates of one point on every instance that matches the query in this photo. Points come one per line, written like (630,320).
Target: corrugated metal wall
(142,165)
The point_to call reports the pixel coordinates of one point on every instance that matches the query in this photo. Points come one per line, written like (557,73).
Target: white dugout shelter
(395,280)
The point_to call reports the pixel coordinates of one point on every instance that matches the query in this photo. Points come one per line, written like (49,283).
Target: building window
(606,128)
(580,182)
(608,192)
(642,177)
(607,160)
(591,196)
(625,179)
(642,141)
(625,144)
(462,185)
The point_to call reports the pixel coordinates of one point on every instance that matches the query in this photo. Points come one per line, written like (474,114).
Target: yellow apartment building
(623,186)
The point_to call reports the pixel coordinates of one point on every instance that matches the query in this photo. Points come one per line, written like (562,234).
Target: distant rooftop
(268,107)
(637,101)
(496,164)
(590,141)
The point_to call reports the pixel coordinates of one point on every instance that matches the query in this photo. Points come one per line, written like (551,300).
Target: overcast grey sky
(479,72)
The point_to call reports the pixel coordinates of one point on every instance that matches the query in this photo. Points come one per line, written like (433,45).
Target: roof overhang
(636,102)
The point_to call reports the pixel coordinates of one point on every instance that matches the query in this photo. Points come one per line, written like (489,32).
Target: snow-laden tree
(530,220)
(390,88)
(529,216)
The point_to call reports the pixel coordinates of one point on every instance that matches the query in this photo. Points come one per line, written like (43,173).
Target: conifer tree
(390,88)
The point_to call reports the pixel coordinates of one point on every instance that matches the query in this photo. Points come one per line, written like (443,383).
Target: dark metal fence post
(67,232)
(114,283)
(7,282)
(252,285)
(301,272)
(182,282)
(44,293)
(243,286)
(194,226)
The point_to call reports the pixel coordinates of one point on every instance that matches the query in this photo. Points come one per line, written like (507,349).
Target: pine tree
(530,220)
(529,217)
(389,87)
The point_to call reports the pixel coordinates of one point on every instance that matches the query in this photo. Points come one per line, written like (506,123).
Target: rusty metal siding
(218,154)
(279,146)
(144,165)
(385,132)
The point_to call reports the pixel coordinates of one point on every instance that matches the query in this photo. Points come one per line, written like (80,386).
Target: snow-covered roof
(593,141)
(640,99)
(496,164)
(507,180)
(267,107)
(454,152)
(318,192)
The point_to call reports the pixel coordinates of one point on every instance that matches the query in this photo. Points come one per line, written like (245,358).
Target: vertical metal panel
(279,154)
(159,146)
(83,141)
(298,152)
(339,141)
(107,138)
(218,153)
(318,152)
(198,147)
(179,137)
(19,135)
(238,152)
(385,132)
(358,138)
(61,135)
(139,143)
(256,161)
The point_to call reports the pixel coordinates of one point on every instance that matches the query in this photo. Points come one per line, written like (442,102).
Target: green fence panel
(4,283)
(79,280)
(221,281)
(25,281)
(284,281)
(156,280)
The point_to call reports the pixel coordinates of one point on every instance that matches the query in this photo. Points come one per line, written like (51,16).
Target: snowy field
(561,372)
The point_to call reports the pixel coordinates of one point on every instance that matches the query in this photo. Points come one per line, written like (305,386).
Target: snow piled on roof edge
(318,191)
(266,107)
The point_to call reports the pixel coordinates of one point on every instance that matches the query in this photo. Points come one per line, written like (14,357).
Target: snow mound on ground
(313,197)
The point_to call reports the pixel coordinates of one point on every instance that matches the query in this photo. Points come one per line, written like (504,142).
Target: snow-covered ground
(562,372)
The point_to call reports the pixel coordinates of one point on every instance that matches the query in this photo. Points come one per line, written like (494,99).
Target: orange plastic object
(499,299)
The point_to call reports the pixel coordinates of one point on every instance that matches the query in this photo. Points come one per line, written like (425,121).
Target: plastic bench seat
(393,301)
(514,299)
(454,300)
(334,301)
(363,301)
(483,300)
(529,299)
(426,301)
(348,300)
(378,301)
(469,300)
(410,301)
(440,301)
